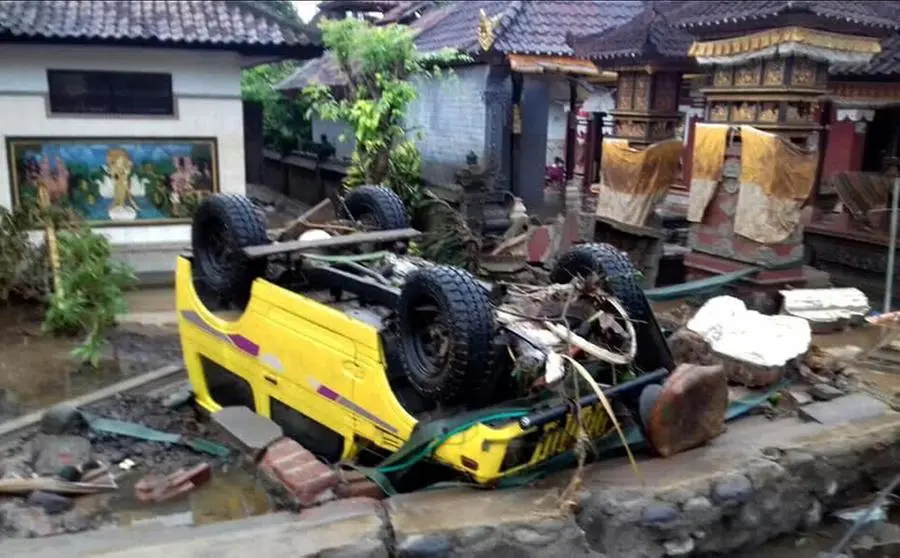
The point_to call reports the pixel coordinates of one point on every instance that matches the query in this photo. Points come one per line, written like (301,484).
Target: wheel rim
(430,338)
(219,250)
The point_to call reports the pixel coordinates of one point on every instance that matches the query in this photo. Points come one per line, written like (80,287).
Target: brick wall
(450,114)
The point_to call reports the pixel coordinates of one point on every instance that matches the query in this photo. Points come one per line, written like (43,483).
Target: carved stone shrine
(765,80)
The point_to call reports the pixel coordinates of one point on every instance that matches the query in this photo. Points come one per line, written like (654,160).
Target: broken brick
(298,471)
(356,485)
(153,488)
(690,410)
(539,244)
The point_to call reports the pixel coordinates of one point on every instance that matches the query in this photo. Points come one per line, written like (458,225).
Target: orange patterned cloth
(634,181)
(776,179)
(707,162)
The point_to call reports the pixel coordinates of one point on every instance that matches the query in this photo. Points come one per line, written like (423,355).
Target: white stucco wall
(450,114)
(206,86)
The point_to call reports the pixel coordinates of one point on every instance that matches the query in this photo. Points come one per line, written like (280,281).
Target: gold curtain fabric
(776,179)
(634,181)
(707,163)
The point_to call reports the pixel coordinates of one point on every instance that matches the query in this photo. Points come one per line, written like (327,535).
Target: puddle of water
(233,494)
(37,369)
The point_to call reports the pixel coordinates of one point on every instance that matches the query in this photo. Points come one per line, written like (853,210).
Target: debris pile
(65,477)
(771,360)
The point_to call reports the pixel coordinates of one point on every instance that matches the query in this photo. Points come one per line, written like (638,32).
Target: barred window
(92,92)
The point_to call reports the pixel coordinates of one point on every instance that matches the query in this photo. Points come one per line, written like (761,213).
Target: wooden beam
(267,250)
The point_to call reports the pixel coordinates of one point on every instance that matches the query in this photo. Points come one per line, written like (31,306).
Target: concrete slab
(345,531)
(849,408)
(253,433)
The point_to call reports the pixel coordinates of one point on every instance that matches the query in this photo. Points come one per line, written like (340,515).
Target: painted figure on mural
(120,186)
(129,180)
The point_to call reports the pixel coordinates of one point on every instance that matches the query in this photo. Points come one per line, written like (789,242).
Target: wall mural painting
(109,181)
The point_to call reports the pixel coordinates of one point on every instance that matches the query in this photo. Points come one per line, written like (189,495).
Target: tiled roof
(323,69)
(403,11)
(357,5)
(527,27)
(197,22)
(885,63)
(863,13)
(523,27)
(650,34)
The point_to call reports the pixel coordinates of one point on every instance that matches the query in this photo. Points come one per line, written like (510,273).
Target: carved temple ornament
(786,41)
(486,26)
(855,115)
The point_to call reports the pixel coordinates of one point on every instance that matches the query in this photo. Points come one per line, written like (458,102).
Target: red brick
(356,485)
(197,475)
(153,488)
(360,489)
(298,471)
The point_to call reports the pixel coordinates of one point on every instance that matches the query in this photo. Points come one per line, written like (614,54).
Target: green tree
(284,120)
(378,61)
(284,8)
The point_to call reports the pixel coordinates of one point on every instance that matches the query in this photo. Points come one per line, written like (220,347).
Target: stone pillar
(535,108)
(846,141)
(498,124)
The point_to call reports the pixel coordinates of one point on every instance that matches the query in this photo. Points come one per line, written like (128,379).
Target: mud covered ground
(232,493)
(37,370)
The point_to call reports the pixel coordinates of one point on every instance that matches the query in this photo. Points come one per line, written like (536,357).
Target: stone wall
(450,114)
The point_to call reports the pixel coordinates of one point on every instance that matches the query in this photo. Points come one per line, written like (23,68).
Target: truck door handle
(271,380)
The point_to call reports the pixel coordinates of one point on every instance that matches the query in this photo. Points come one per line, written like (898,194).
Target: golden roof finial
(486,27)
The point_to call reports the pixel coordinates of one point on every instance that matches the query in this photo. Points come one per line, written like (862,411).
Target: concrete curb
(716,499)
(149,381)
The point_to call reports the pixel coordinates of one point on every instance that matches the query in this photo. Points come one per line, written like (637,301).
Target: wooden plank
(333,242)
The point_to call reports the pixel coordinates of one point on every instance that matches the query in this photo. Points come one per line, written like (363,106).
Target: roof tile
(211,22)
(525,27)
(884,64)
(698,13)
(649,34)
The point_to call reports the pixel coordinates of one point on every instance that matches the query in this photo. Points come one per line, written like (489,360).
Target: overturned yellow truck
(366,354)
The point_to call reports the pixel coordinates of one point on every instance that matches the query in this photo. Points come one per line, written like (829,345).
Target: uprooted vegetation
(86,293)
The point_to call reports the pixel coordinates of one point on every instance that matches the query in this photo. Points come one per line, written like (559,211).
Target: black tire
(447,303)
(376,205)
(620,279)
(223,225)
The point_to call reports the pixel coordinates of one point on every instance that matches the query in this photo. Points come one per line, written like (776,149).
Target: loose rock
(61,419)
(679,548)
(49,502)
(52,453)
(659,514)
(825,392)
(734,490)
(421,546)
